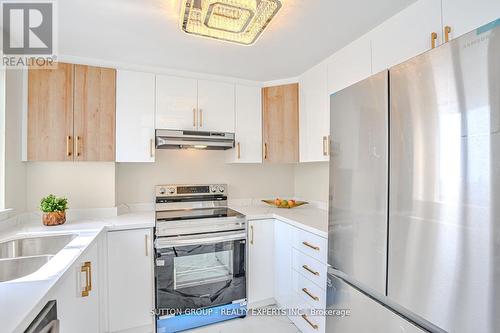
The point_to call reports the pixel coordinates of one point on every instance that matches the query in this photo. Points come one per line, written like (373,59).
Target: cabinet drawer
(307,322)
(313,295)
(310,268)
(312,245)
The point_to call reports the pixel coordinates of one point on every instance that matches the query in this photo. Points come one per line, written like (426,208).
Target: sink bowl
(34,246)
(15,268)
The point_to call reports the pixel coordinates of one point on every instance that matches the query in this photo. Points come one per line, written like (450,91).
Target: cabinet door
(176,103)
(406,34)
(314,114)
(463,16)
(260,262)
(50,113)
(135,114)
(248,128)
(130,279)
(94,113)
(215,106)
(280,117)
(283,264)
(349,65)
(78,313)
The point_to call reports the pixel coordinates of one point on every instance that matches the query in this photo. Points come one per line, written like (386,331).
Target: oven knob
(171,190)
(162,190)
(221,189)
(213,189)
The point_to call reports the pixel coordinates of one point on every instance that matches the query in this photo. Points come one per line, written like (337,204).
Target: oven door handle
(163,243)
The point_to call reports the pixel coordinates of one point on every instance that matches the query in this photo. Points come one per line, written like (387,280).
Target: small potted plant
(54,210)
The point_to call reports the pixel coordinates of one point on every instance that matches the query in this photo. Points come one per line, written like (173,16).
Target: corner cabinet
(248,125)
(77,294)
(135,116)
(71,113)
(280,123)
(190,104)
(130,281)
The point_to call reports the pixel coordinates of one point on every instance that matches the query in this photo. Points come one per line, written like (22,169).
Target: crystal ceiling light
(238,21)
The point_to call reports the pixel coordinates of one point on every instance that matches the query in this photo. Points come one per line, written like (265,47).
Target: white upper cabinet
(349,65)
(190,104)
(215,106)
(314,115)
(248,125)
(135,116)
(406,34)
(463,16)
(176,103)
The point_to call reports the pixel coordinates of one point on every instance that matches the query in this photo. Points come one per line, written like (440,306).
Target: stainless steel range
(200,248)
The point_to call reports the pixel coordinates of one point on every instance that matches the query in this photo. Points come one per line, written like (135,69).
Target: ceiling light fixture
(237,21)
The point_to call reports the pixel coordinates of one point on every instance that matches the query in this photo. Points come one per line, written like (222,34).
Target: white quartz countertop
(22,298)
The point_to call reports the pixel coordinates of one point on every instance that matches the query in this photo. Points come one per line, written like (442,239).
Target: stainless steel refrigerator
(414,218)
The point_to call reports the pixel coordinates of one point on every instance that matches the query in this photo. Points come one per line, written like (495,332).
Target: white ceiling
(147,33)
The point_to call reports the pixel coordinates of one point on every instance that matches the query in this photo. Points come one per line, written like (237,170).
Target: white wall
(136,181)
(15,170)
(85,184)
(311,181)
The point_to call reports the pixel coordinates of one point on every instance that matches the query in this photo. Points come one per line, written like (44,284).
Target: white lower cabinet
(283,264)
(260,289)
(77,295)
(130,281)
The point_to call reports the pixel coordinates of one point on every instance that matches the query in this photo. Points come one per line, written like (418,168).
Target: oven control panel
(179,190)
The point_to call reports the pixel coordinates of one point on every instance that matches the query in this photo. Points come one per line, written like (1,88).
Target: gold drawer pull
(77,143)
(201,118)
(194,117)
(308,293)
(151,148)
(87,269)
(311,246)
(238,148)
(309,322)
(310,270)
(265,151)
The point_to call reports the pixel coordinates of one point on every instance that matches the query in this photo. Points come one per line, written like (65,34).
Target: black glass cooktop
(198,213)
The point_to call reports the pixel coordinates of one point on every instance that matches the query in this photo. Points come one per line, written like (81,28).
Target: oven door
(200,271)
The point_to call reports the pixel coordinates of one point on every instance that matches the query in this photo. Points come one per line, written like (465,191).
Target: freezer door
(444,208)
(350,311)
(357,242)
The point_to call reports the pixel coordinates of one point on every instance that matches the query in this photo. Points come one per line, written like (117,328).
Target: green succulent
(51,203)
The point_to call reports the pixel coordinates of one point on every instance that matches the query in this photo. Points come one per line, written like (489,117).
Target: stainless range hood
(178,139)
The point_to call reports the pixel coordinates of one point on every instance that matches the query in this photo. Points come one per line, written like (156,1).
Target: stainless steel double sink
(23,256)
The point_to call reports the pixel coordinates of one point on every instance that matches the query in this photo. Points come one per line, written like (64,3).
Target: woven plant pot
(54,218)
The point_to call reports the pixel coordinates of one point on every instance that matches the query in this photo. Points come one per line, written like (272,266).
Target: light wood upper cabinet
(280,123)
(71,113)
(94,113)
(50,114)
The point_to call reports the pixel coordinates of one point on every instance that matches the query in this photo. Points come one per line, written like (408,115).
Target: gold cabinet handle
(87,269)
(308,293)
(238,150)
(194,117)
(314,326)
(68,145)
(447,31)
(314,247)
(146,241)
(251,234)
(327,145)
(434,37)
(307,268)
(201,118)
(151,148)
(265,151)
(77,144)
